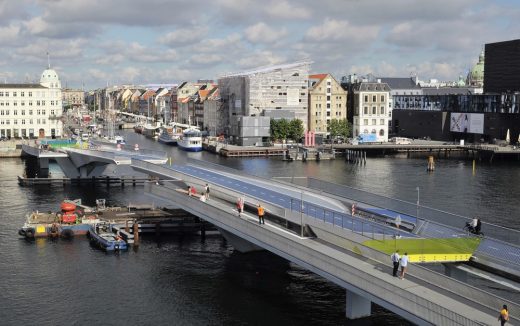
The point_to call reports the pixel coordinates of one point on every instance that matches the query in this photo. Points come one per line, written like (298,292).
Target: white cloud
(260,58)
(341,30)
(286,10)
(261,33)
(205,59)
(183,36)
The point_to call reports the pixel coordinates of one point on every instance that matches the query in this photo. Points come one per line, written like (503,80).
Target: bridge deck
(419,300)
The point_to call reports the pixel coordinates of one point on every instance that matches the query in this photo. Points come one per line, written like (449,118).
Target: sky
(92,43)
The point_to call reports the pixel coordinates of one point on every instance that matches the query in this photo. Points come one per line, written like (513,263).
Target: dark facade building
(502,67)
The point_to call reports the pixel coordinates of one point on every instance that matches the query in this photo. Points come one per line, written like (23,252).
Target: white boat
(150,131)
(168,137)
(191,140)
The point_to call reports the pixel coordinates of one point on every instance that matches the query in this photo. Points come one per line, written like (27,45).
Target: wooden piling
(136,233)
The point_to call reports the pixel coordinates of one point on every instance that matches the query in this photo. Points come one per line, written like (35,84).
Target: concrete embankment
(11,148)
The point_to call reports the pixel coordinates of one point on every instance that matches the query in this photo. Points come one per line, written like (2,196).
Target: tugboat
(72,220)
(102,236)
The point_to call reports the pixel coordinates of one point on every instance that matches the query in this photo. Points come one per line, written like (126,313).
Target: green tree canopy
(339,128)
(295,130)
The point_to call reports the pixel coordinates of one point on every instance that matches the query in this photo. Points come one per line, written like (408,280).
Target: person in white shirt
(404,264)
(395,261)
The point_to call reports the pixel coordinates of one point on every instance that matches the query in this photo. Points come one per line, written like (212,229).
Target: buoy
(136,147)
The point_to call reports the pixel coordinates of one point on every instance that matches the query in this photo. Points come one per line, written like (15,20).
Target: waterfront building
(502,67)
(371,110)
(72,98)
(405,93)
(146,103)
(134,100)
(164,106)
(251,98)
(186,95)
(476,74)
(199,99)
(327,101)
(32,110)
(215,118)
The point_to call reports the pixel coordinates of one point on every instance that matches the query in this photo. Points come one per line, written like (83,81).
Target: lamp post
(417,215)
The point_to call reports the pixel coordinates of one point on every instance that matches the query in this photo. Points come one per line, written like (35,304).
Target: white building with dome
(476,74)
(32,110)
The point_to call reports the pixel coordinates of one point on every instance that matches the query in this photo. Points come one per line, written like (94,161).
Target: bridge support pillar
(44,167)
(83,172)
(357,306)
(452,271)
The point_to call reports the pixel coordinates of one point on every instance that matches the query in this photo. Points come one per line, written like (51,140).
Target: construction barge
(75,219)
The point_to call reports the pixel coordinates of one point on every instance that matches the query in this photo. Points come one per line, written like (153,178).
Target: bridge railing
(385,290)
(455,221)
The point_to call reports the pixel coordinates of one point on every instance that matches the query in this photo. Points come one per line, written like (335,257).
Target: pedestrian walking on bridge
(395,261)
(261,213)
(504,315)
(206,189)
(404,265)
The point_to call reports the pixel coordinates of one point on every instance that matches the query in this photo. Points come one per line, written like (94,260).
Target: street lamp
(417,215)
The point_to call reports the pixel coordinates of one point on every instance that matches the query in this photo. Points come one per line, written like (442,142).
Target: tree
(279,129)
(339,128)
(295,130)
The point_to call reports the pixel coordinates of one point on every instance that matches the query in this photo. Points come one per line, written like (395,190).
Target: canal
(187,281)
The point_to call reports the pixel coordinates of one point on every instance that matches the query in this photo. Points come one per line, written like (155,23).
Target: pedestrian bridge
(95,162)
(324,246)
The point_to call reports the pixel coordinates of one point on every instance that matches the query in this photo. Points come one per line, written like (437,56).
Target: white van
(401,140)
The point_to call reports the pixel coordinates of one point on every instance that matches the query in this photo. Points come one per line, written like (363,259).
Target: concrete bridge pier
(452,271)
(357,306)
(43,171)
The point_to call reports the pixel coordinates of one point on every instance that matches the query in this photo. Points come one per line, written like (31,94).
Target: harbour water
(187,281)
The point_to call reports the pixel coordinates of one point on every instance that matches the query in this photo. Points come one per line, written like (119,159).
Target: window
(22,94)
(374,98)
(1,93)
(30,103)
(30,112)
(7,94)
(38,103)
(23,121)
(366,98)
(52,111)
(374,122)
(328,105)
(43,112)
(365,131)
(7,121)
(22,103)
(15,103)
(382,122)
(382,110)
(374,131)
(14,94)
(30,94)
(38,112)
(381,132)
(23,112)
(365,110)
(382,98)
(15,112)
(328,113)
(15,121)
(365,122)
(43,121)
(374,110)
(328,97)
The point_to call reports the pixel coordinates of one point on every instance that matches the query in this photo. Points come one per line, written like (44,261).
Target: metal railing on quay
(455,221)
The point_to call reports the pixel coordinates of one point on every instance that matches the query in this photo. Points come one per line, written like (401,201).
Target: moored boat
(191,140)
(168,137)
(150,131)
(138,129)
(72,220)
(102,236)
